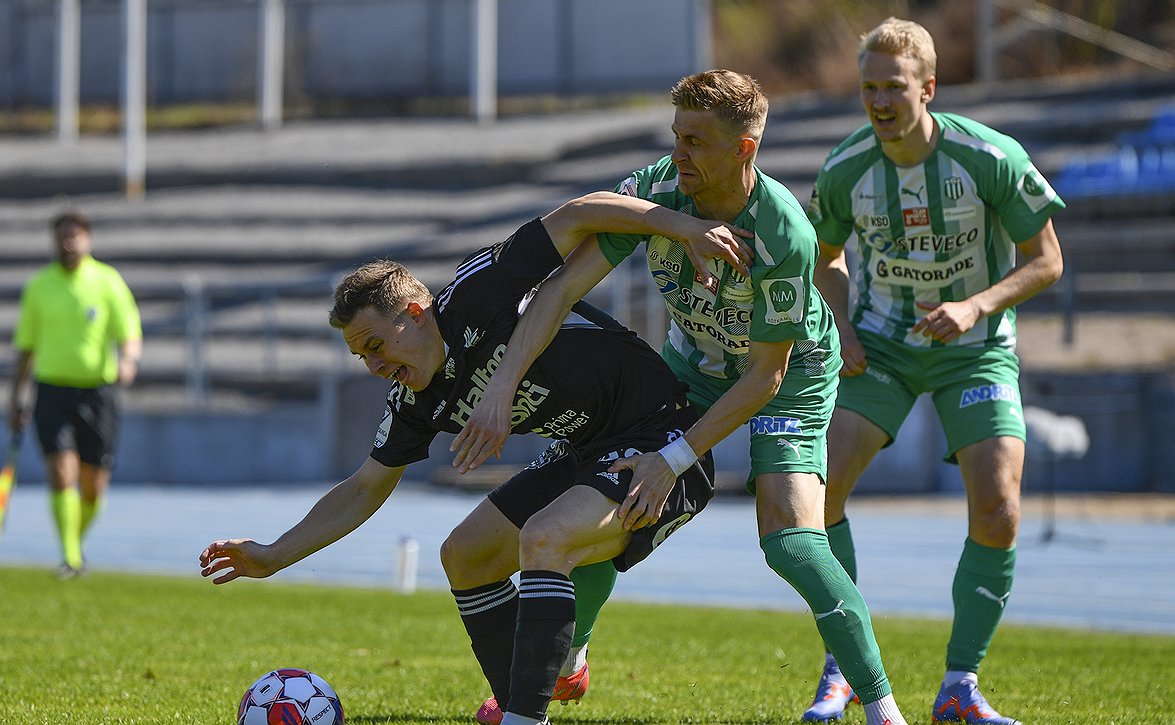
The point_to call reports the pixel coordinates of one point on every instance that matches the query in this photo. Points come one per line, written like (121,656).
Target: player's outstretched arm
(572,228)
(652,478)
(605,211)
(339,512)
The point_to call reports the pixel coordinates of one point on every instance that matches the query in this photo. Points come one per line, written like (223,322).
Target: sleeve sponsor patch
(1035,190)
(785,300)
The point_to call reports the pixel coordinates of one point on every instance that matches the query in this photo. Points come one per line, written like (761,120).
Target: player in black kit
(598,390)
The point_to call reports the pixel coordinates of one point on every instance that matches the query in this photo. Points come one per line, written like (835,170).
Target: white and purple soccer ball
(290,697)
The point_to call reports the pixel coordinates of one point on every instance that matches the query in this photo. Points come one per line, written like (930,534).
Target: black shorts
(560,467)
(81,419)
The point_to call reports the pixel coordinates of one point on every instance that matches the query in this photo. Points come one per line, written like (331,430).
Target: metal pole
(67,71)
(134,97)
(986,70)
(704,36)
(484,70)
(271,70)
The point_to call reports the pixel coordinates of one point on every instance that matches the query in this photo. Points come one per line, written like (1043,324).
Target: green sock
(89,512)
(593,586)
(840,540)
(983,583)
(803,558)
(67,513)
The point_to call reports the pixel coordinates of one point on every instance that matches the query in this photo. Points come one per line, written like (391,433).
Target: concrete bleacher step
(277,218)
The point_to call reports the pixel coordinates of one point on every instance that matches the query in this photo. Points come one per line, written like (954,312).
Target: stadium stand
(235,249)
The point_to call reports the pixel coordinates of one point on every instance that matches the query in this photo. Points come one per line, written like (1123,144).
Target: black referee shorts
(560,467)
(81,419)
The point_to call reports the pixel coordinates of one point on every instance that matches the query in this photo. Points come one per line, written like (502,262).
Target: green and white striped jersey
(711,327)
(940,231)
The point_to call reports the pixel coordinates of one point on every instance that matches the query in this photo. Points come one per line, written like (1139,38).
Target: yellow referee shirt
(71,323)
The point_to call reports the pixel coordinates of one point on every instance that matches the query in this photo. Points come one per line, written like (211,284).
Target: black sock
(546,622)
(490,614)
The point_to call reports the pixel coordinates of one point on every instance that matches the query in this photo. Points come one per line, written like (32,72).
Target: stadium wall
(360,50)
(1128,417)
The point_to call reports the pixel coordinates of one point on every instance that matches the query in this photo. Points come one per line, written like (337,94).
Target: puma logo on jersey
(916,194)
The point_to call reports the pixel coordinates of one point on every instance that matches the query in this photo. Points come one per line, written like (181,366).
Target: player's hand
(652,480)
(128,370)
(236,558)
(852,352)
(946,321)
(708,239)
(484,433)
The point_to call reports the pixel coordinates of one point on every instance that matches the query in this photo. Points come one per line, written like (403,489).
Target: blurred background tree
(793,46)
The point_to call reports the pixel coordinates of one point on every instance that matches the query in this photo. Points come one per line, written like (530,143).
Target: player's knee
(542,544)
(996,523)
(451,555)
(459,555)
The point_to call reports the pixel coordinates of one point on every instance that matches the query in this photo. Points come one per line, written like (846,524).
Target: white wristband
(679,456)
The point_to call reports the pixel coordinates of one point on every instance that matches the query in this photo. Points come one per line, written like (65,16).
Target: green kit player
(940,205)
(757,347)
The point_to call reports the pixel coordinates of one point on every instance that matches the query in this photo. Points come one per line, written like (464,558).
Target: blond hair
(383,284)
(903,38)
(735,98)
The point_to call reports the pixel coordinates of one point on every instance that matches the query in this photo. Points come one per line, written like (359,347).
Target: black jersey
(594,385)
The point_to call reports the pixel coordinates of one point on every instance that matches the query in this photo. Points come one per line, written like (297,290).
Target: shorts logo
(556,451)
(989,393)
(608,475)
(785,300)
(878,375)
(664,532)
(775,425)
(617,455)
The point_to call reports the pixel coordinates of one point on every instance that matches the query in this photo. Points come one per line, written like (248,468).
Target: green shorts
(789,434)
(976,390)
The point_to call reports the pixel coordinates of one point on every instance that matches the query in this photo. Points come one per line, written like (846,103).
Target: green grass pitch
(115,649)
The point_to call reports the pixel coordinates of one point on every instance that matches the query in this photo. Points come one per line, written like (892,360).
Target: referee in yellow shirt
(78,334)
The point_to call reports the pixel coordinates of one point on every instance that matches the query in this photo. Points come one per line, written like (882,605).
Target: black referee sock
(489,614)
(546,622)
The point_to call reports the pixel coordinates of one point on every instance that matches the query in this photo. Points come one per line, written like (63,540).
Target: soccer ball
(290,697)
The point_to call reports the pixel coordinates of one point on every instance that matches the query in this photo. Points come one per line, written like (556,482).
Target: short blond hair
(735,98)
(382,284)
(903,38)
